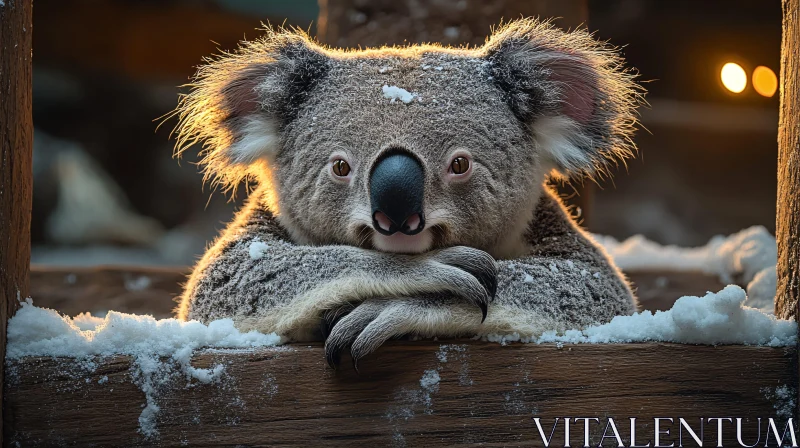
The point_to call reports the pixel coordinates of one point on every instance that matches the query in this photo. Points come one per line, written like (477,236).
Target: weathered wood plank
(126,289)
(488,394)
(16,152)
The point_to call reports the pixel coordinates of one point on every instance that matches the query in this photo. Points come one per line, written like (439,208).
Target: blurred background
(108,191)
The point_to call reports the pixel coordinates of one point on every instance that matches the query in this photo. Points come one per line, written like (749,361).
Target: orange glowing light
(764,81)
(733,77)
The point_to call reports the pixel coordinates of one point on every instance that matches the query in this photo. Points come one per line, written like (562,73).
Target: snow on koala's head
(407,149)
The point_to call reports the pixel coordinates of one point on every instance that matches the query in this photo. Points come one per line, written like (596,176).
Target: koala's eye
(459,165)
(341,168)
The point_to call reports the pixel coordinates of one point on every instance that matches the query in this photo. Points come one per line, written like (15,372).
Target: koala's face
(443,168)
(405,150)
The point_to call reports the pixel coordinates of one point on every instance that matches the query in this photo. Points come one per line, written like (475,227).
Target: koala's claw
(347,329)
(469,274)
(477,263)
(376,321)
(332,317)
(365,329)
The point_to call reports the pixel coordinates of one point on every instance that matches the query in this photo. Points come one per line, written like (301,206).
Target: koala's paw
(366,327)
(477,264)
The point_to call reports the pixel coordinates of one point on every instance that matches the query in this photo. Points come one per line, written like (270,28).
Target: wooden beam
(153,290)
(710,117)
(16,152)
(788,219)
(486,394)
(127,289)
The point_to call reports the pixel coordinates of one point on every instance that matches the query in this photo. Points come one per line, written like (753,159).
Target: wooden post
(353,23)
(16,151)
(788,219)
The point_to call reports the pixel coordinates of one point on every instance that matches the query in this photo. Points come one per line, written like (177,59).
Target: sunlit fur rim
(202,118)
(617,95)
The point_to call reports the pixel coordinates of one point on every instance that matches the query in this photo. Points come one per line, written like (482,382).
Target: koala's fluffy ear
(571,90)
(240,101)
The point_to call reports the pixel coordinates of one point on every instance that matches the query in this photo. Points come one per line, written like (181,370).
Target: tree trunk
(16,150)
(788,220)
(373,23)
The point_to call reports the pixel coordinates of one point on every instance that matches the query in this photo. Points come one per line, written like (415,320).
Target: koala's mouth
(432,237)
(402,243)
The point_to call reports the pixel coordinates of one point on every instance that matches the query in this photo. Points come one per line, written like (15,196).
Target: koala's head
(408,149)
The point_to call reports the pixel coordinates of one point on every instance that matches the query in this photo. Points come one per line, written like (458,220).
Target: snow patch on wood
(162,349)
(783,399)
(748,255)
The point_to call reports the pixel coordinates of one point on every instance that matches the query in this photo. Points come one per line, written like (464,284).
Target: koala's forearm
(571,291)
(565,277)
(257,276)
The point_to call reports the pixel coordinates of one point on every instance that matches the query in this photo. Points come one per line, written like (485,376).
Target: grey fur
(532,100)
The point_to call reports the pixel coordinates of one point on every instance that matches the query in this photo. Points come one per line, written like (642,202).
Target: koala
(402,191)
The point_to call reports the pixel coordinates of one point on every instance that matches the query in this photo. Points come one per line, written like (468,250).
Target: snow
(761,291)
(430,380)
(716,318)
(528,278)
(406,399)
(86,321)
(783,399)
(396,93)
(37,331)
(746,252)
(258,249)
(749,255)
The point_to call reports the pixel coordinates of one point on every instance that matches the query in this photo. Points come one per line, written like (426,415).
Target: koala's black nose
(396,190)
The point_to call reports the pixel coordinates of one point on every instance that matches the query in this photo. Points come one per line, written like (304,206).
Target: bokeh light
(733,77)
(765,81)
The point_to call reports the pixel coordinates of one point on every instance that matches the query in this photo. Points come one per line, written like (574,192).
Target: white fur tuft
(560,140)
(259,140)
